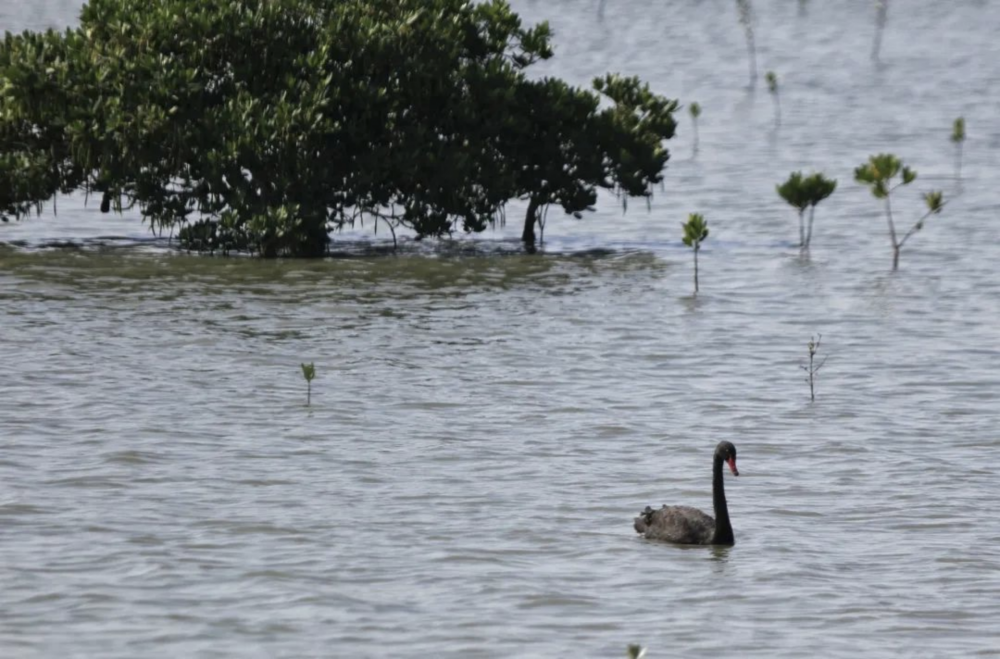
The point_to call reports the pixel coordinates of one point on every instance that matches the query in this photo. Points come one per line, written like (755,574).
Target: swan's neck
(723,529)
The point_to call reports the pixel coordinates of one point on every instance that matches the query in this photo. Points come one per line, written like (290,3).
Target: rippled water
(485,424)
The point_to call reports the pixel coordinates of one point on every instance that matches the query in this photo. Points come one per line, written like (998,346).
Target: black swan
(689,526)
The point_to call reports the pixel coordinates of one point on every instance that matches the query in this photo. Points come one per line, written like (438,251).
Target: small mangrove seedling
(881,15)
(793,192)
(802,192)
(772,88)
(813,368)
(695,232)
(745,10)
(636,651)
(695,111)
(878,174)
(958,139)
(309,372)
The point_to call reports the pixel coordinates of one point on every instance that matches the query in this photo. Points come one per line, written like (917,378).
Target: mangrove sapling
(813,368)
(772,87)
(881,15)
(793,192)
(802,192)
(695,232)
(746,20)
(958,139)
(309,372)
(878,174)
(695,111)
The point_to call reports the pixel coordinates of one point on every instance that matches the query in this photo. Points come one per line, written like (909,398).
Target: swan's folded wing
(681,524)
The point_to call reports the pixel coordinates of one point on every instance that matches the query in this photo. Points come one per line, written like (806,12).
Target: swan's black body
(689,526)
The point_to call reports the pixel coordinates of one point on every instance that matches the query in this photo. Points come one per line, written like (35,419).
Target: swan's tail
(644,520)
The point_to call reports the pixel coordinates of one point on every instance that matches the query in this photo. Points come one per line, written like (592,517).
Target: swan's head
(726,452)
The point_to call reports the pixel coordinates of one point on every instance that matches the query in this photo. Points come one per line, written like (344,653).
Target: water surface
(485,424)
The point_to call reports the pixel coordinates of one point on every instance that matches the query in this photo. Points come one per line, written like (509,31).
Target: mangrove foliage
(263,125)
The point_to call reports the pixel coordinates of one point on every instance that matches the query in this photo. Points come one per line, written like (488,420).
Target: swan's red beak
(732,466)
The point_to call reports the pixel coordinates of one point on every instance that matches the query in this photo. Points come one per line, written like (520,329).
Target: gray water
(484,425)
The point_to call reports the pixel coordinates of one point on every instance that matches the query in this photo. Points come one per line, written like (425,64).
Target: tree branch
(916,227)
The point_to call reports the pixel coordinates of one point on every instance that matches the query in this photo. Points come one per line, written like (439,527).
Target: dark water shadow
(693,302)
(719,553)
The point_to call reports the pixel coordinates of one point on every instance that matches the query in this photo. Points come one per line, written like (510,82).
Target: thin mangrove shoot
(881,16)
(745,10)
(772,88)
(309,372)
(813,368)
(695,111)
(958,139)
(695,232)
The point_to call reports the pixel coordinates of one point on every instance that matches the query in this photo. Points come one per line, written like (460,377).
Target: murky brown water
(485,424)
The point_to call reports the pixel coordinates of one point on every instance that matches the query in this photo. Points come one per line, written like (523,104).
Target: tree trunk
(809,233)
(530,219)
(696,269)
(892,235)
(313,239)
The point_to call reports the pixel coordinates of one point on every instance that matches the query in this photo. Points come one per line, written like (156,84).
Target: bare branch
(812,369)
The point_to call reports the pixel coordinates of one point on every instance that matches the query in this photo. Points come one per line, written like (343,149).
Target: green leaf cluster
(934,201)
(265,124)
(879,172)
(772,82)
(636,651)
(801,192)
(958,130)
(695,230)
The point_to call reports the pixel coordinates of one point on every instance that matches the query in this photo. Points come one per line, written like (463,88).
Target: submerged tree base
(210,236)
